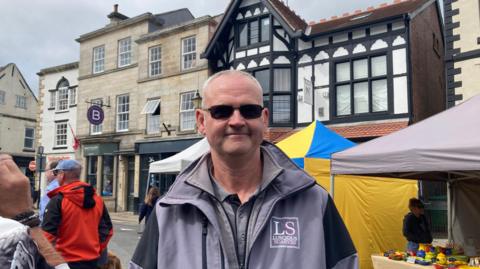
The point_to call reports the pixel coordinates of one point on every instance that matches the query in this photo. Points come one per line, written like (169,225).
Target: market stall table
(381,262)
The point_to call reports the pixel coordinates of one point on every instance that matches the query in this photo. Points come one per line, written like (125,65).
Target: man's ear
(265,114)
(200,118)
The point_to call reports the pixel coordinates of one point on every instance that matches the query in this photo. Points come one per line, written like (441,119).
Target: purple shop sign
(95,115)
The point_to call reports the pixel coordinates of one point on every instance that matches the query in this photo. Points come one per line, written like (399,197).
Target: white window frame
(61,134)
(53,99)
(21,102)
(72,96)
(98,59)
(2,97)
(96,129)
(124,52)
(62,100)
(123,109)
(32,138)
(187,111)
(155,61)
(189,52)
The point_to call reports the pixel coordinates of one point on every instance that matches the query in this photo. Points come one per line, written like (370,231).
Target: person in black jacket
(415,225)
(149,204)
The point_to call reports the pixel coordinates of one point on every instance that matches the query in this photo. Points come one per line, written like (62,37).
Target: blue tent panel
(325,142)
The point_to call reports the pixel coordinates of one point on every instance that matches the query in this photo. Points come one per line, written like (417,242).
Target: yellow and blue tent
(372,208)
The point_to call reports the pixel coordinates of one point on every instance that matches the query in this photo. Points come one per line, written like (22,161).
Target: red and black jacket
(77,222)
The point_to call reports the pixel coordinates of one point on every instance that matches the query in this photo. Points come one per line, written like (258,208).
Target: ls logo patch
(284,232)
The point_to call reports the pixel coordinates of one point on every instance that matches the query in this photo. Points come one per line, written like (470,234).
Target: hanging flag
(76,142)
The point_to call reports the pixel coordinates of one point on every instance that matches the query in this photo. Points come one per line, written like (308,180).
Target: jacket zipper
(270,210)
(204,242)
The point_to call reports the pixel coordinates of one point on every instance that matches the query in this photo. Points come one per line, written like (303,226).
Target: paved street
(125,236)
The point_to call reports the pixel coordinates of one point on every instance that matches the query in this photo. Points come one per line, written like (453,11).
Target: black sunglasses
(249,111)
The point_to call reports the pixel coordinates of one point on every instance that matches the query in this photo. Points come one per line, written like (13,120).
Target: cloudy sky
(41,33)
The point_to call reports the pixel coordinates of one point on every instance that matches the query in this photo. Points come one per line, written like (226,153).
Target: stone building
(18,110)
(462,51)
(57,118)
(363,73)
(142,72)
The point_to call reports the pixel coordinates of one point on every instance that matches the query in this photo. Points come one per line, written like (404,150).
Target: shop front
(151,151)
(100,172)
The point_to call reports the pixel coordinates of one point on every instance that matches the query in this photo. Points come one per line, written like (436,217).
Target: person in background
(22,243)
(52,183)
(415,225)
(149,204)
(76,220)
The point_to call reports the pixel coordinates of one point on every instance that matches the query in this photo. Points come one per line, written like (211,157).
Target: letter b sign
(95,115)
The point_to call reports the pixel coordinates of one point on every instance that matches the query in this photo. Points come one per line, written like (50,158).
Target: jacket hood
(186,187)
(80,193)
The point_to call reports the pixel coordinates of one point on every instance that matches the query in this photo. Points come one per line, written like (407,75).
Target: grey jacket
(297,225)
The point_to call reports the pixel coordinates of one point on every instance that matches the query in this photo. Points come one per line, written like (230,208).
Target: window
(29,137)
(254,31)
(361,86)
(98,59)
(96,129)
(62,102)
(263,77)
(187,111)
(281,109)
(123,108)
(281,80)
(152,110)
(124,52)
(2,97)
(155,60)
(107,179)
(73,96)
(60,134)
(53,99)
(21,102)
(189,54)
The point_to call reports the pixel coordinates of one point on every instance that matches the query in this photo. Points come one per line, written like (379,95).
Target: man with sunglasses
(244,204)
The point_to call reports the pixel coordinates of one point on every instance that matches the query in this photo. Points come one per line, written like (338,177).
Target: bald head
(234,74)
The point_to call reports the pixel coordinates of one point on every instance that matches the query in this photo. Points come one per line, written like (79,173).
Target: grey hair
(229,72)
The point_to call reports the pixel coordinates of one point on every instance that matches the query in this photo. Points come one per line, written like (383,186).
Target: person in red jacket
(76,220)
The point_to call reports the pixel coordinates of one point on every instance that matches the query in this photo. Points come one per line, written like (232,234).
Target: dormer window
(253,31)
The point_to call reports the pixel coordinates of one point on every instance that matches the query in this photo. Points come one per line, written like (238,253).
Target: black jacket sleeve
(53,217)
(338,244)
(105,228)
(146,252)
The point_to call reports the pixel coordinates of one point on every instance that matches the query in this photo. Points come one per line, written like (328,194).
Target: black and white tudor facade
(348,72)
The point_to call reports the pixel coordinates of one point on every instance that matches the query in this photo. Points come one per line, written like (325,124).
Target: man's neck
(241,176)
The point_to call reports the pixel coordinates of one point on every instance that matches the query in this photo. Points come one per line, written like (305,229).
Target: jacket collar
(192,184)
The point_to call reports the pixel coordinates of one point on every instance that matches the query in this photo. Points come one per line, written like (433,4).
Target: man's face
(49,174)
(234,135)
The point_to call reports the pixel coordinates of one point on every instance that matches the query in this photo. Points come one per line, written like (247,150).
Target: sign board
(32,166)
(95,115)
(40,163)
(307,92)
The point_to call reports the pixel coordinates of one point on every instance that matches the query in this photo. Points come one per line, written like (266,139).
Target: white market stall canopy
(444,147)
(177,162)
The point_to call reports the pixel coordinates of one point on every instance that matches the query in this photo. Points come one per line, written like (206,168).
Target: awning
(151,107)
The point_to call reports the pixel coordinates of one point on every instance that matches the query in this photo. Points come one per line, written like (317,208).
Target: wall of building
(13,119)
(427,64)
(468,31)
(48,117)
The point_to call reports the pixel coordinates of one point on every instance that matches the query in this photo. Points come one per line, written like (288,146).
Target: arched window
(62,99)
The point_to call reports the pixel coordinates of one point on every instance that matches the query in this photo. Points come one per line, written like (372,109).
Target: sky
(36,34)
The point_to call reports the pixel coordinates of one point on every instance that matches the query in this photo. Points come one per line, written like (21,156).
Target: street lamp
(197,100)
